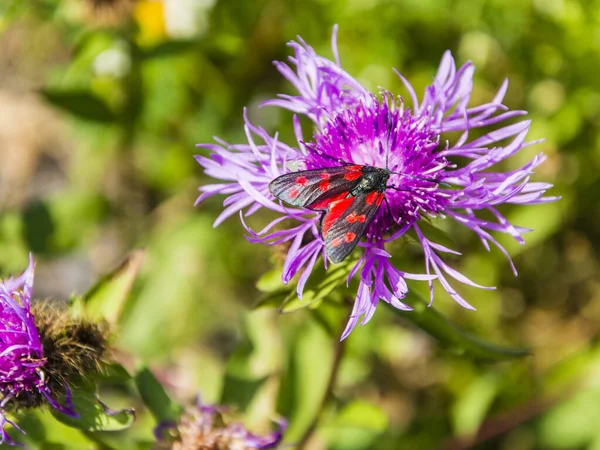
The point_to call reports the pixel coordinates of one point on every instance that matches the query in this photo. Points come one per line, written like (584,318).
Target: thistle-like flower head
(431,176)
(203,427)
(41,350)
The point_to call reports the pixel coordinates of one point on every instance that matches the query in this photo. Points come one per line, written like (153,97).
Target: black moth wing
(343,226)
(308,188)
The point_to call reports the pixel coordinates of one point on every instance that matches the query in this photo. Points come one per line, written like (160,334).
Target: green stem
(327,396)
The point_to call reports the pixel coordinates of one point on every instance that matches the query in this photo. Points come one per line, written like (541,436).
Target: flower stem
(328,394)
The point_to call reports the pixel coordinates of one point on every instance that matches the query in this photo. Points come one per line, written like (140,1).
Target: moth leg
(390,211)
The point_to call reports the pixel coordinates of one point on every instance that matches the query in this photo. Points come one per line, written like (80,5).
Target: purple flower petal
(21,352)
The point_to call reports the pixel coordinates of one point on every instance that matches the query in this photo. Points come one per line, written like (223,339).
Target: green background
(101,104)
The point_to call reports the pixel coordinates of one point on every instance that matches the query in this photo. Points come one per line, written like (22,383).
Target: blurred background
(101,104)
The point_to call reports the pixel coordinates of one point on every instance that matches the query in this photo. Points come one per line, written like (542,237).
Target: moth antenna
(398,189)
(390,211)
(430,180)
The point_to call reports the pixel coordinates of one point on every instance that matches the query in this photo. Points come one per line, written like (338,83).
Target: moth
(349,196)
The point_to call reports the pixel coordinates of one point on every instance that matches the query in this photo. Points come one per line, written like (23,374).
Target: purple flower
(23,380)
(437,178)
(202,426)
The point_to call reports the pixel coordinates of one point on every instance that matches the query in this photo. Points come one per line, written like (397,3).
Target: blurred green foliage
(100,108)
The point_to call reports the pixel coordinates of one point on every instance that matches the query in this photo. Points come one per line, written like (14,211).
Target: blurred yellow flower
(150,17)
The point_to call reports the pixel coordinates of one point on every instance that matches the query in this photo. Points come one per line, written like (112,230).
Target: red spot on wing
(336,209)
(325,176)
(350,176)
(293,193)
(324,204)
(353,217)
(349,236)
(301,180)
(354,172)
(336,242)
(324,186)
(355,168)
(370,199)
(374,197)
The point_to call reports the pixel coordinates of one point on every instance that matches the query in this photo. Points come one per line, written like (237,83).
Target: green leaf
(293,303)
(55,446)
(305,385)
(322,284)
(453,338)
(240,391)
(271,281)
(357,426)
(113,373)
(572,423)
(44,431)
(275,292)
(82,104)
(275,299)
(255,359)
(471,406)
(95,415)
(107,297)
(155,397)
